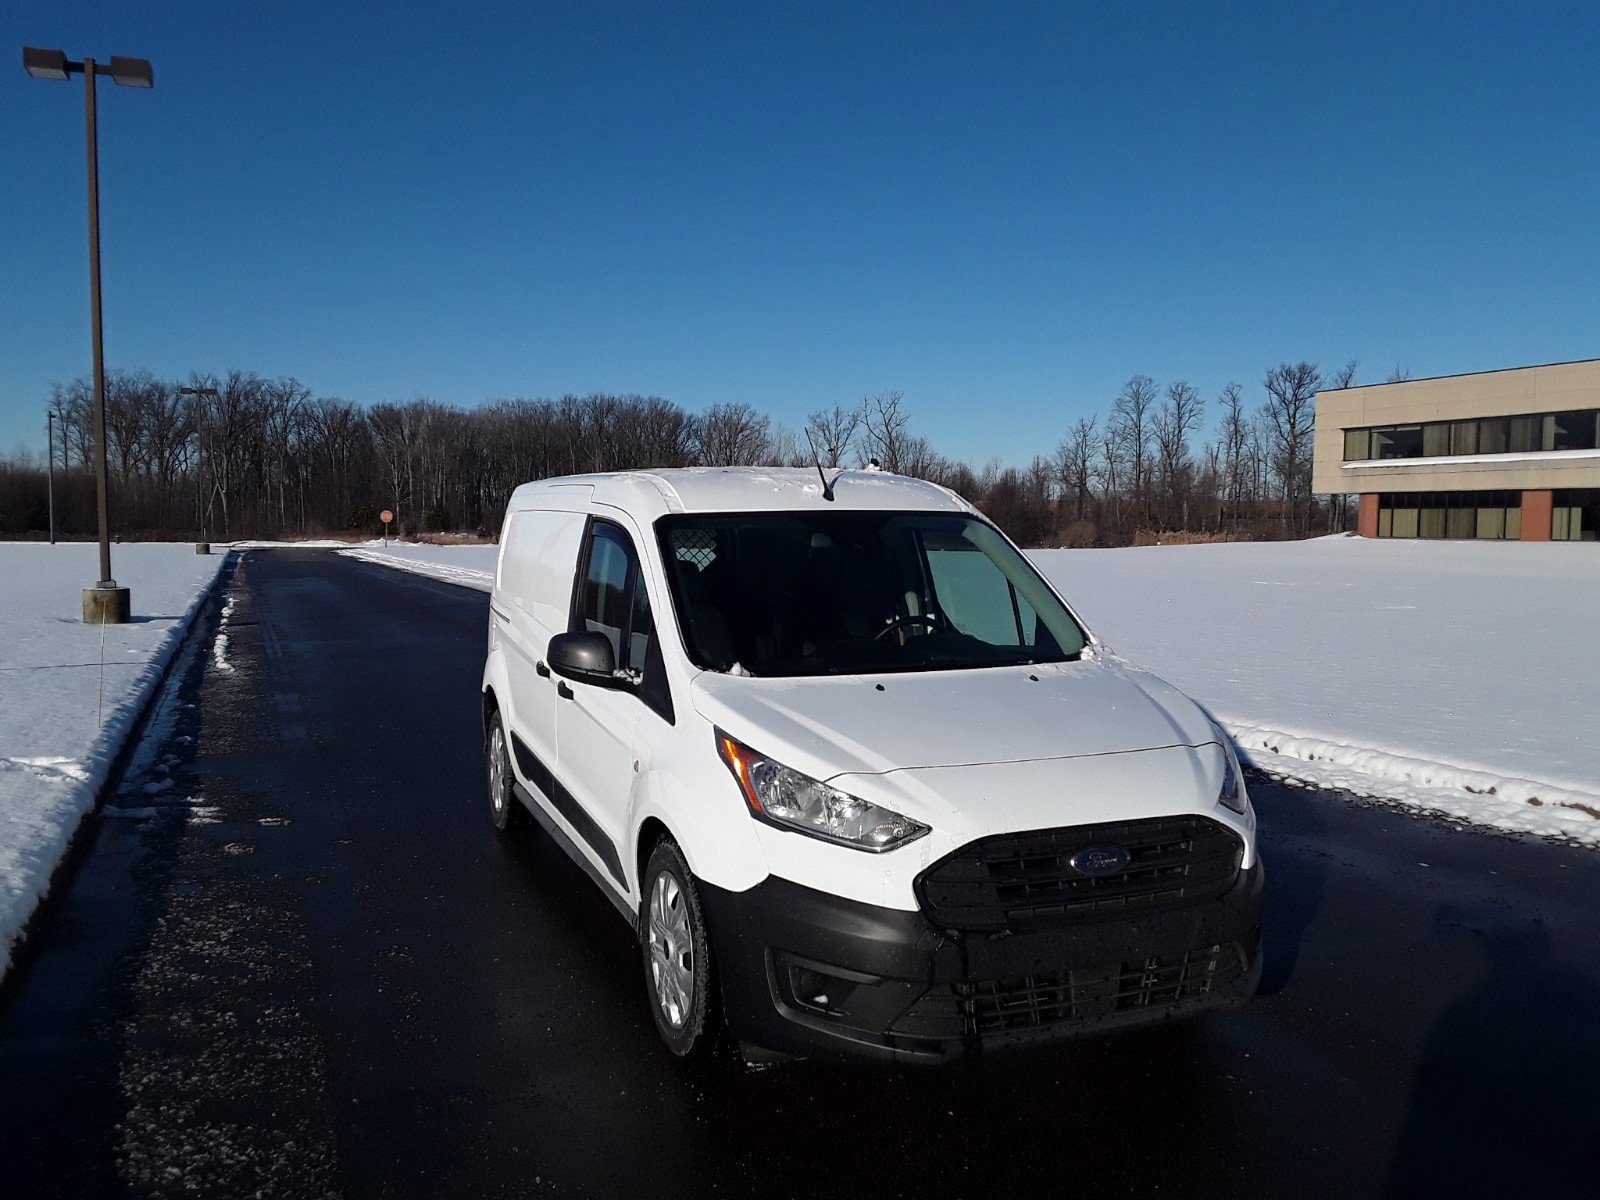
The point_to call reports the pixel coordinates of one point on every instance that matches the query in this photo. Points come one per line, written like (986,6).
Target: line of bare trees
(1140,471)
(239,455)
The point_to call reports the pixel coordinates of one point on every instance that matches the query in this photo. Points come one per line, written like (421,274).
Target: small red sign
(386,516)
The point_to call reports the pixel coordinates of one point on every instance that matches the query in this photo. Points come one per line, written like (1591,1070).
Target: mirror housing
(585,658)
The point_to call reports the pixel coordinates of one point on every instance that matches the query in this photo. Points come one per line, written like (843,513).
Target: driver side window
(614,599)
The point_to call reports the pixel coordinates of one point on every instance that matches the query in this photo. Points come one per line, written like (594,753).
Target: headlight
(782,796)
(1232,793)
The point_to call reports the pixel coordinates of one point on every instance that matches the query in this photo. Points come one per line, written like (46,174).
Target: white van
(860,779)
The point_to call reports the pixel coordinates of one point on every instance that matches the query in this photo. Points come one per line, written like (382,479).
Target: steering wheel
(899,624)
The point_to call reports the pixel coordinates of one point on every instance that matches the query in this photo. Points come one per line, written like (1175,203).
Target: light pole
(50,467)
(203,546)
(105,603)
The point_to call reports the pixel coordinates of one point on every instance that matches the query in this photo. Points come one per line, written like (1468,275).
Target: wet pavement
(295,959)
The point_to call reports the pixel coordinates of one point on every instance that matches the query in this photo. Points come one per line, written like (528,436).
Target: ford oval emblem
(1100,860)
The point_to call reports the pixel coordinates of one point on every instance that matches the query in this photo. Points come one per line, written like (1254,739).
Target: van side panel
(532,602)
(538,563)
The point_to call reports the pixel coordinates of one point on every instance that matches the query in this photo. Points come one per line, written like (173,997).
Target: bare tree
(886,429)
(1399,374)
(1177,419)
(1075,463)
(1342,378)
(1131,414)
(1291,411)
(1234,451)
(733,435)
(919,459)
(831,433)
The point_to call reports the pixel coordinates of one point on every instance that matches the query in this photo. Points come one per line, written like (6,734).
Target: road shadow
(1506,1099)
(1290,834)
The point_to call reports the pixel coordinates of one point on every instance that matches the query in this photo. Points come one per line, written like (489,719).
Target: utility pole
(50,467)
(105,603)
(203,546)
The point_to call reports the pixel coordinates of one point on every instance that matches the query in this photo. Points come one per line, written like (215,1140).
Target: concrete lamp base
(106,606)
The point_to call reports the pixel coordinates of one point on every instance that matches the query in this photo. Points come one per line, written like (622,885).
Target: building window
(1397,441)
(1575,515)
(1569,431)
(1525,434)
(1492,515)
(1578,429)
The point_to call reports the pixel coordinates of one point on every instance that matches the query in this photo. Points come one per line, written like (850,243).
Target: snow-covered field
(1462,677)
(1458,676)
(55,749)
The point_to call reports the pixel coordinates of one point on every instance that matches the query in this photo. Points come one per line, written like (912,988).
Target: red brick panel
(1367,515)
(1536,516)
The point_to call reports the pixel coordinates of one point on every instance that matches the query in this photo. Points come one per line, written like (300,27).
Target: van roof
(650,494)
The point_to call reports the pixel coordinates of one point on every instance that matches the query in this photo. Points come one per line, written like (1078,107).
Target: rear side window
(614,599)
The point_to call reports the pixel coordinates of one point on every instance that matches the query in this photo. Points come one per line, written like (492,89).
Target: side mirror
(585,658)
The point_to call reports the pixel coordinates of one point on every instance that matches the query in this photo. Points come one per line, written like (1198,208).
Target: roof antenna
(827,488)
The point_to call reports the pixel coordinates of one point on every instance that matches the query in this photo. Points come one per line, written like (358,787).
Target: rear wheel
(678,972)
(505,810)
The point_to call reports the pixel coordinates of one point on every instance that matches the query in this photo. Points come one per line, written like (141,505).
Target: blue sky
(1002,210)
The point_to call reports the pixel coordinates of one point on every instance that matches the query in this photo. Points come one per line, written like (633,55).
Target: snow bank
(469,566)
(1456,676)
(54,754)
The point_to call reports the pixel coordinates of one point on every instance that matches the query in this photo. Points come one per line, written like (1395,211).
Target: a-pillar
(1536,516)
(1367,515)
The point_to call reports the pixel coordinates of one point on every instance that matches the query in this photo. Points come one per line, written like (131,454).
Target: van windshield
(858,593)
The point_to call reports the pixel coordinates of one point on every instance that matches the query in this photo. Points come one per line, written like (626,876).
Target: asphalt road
(295,959)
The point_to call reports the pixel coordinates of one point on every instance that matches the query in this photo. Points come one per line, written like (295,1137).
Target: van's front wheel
(677,955)
(505,810)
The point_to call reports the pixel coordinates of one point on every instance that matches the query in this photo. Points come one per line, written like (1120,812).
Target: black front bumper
(805,972)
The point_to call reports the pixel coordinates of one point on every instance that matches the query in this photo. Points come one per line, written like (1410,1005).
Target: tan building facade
(1497,454)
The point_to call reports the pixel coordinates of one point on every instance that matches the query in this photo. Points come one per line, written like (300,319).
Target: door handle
(541,669)
(563,690)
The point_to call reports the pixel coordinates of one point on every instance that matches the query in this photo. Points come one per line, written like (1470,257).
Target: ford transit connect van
(858,777)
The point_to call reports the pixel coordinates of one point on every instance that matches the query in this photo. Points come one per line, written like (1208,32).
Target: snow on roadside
(1453,676)
(54,756)
(469,566)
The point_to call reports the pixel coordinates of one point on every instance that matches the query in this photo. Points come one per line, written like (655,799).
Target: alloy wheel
(671,950)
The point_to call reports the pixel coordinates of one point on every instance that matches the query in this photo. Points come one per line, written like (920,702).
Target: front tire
(678,973)
(505,810)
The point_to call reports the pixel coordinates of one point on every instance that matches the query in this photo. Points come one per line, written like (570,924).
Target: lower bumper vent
(1059,997)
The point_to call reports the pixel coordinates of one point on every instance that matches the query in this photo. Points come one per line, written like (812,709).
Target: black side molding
(567,805)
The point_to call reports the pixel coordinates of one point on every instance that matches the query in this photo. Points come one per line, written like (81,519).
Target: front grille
(1058,997)
(1021,881)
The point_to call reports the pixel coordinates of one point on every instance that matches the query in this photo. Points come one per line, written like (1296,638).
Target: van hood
(870,724)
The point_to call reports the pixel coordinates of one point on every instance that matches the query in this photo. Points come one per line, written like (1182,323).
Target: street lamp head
(132,72)
(45,64)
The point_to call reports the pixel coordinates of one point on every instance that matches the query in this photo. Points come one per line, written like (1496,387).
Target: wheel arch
(651,830)
(491,706)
